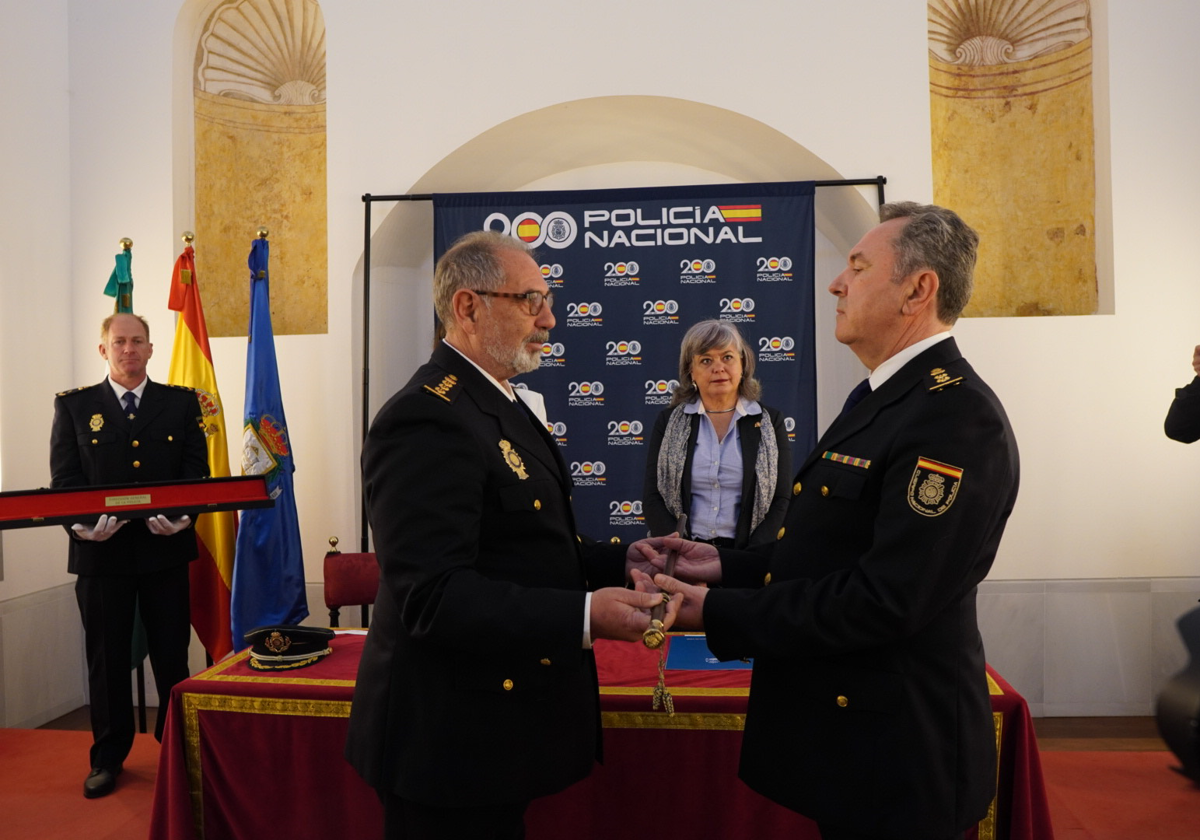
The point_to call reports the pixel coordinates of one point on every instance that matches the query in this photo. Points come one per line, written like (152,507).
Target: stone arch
(619,141)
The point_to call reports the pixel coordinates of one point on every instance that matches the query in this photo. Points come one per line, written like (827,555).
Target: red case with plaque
(34,508)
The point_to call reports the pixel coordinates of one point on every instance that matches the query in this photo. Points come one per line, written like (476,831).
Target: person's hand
(643,582)
(624,614)
(166,527)
(691,611)
(1196,360)
(696,562)
(643,554)
(105,527)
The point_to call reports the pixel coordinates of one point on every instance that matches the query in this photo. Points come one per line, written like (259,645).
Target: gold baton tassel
(654,635)
(662,697)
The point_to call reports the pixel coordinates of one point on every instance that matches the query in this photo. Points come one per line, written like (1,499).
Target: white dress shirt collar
(121,390)
(888,368)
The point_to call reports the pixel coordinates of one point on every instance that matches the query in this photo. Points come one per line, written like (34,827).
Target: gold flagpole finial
(126,243)
(263,233)
(188,237)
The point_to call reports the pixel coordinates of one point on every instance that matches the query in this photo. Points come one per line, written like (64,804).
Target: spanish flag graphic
(741,212)
(528,229)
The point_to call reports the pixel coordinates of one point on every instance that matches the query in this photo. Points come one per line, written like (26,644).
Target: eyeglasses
(534,300)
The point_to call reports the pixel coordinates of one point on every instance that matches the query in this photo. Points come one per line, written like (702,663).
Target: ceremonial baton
(654,635)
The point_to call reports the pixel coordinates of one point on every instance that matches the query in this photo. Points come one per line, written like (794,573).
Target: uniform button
(545,661)
(824,490)
(170,437)
(136,464)
(508,685)
(842,701)
(796,489)
(94,441)
(782,531)
(767,579)
(135,444)
(615,540)
(537,504)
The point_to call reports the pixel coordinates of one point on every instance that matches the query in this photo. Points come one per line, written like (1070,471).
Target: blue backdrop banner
(631,270)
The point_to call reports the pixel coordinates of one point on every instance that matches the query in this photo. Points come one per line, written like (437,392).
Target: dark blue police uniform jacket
(869,707)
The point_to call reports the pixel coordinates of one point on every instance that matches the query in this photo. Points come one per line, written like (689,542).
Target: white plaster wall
(36,317)
(92,139)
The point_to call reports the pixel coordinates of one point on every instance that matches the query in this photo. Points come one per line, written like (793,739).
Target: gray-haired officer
(869,710)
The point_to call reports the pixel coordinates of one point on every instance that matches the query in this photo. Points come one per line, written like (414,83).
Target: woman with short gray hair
(711,455)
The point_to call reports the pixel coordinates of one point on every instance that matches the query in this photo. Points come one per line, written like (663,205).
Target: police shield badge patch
(933,487)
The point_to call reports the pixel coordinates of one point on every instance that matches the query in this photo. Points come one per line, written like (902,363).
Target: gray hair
(472,262)
(702,337)
(935,238)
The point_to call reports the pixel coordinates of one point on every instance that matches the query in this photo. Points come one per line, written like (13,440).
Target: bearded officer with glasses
(477,689)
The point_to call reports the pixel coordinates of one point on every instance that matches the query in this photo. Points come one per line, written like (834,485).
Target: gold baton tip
(653,636)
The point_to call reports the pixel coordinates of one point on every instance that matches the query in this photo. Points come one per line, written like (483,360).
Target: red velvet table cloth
(253,755)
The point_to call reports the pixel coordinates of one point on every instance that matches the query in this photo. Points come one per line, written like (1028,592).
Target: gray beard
(519,360)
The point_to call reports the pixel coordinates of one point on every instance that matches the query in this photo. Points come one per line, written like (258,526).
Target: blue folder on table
(690,653)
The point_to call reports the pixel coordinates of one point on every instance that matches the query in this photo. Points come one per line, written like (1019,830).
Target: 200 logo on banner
(581,394)
(588,473)
(626,513)
(622,353)
(625,432)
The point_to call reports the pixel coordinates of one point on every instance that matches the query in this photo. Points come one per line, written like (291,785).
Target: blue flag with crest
(268,569)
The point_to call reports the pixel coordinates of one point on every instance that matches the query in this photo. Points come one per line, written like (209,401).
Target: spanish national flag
(216,533)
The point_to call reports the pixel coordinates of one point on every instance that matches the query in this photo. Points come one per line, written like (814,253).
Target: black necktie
(130,399)
(544,433)
(533,418)
(860,390)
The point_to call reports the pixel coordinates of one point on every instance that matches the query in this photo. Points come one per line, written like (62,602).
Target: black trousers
(406,820)
(106,605)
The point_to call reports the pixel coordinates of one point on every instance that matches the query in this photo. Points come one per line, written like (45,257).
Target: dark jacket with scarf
(661,521)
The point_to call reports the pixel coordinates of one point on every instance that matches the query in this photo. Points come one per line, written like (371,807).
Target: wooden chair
(350,579)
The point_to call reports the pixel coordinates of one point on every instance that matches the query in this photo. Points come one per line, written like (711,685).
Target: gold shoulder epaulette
(445,388)
(939,379)
(180,387)
(73,391)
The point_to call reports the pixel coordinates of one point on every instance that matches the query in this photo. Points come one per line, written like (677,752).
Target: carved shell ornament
(986,32)
(268,51)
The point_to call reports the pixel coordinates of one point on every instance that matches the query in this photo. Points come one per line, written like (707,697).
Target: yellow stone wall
(1014,154)
(261,165)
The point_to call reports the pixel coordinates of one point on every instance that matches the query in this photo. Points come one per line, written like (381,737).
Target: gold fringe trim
(648,691)
(661,720)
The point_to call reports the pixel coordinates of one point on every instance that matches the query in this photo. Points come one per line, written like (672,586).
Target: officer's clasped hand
(105,527)
(166,527)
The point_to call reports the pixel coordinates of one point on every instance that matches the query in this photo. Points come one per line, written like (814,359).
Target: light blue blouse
(717,474)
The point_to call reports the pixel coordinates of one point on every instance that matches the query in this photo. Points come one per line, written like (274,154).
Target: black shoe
(100,782)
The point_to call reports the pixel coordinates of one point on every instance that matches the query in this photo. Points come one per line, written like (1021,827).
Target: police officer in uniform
(477,689)
(869,709)
(128,429)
